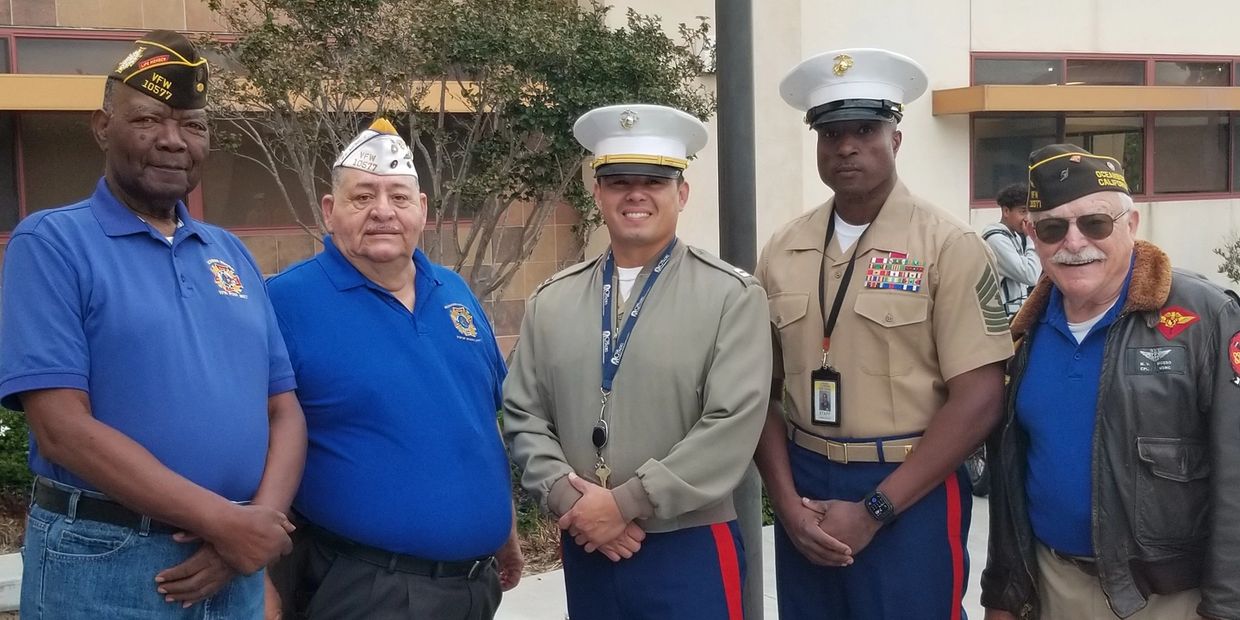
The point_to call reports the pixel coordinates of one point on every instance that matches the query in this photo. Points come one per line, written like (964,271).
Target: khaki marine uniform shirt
(937,316)
(687,404)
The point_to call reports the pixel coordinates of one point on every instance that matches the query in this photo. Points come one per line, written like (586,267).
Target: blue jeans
(75,568)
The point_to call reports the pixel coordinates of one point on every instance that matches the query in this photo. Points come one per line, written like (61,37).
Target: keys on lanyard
(598,437)
(613,350)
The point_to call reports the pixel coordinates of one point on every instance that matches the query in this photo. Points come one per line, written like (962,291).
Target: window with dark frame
(9,207)
(61,56)
(1193,152)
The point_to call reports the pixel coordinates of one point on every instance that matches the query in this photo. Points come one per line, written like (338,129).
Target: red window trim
(1147,118)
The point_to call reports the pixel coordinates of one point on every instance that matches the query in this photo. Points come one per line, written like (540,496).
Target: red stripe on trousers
(953,542)
(728,568)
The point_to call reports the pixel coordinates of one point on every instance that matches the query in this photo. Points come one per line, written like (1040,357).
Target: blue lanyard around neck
(613,353)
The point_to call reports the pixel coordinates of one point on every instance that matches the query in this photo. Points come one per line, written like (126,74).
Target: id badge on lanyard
(825,394)
(826,384)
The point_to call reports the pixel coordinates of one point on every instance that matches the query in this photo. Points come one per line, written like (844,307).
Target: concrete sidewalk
(541,597)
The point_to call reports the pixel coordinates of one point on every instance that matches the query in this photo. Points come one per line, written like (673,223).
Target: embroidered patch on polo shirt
(993,317)
(226,279)
(1156,360)
(1174,320)
(463,320)
(895,271)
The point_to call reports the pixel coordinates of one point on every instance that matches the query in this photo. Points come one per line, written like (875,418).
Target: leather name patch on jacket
(1155,360)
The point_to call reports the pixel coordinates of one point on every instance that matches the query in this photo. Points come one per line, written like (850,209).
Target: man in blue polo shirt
(405,507)
(1115,474)
(141,344)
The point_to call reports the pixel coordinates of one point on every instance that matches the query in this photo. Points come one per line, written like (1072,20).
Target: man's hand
(199,577)
(595,519)
(511,562)
(847,522)
(628,543)
(801,524)
(999,614)
(250,537)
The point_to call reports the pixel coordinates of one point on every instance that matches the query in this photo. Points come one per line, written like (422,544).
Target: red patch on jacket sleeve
(1233,354)
(1174,320)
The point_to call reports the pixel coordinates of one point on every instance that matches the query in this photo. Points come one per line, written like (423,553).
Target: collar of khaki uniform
(1148,291)
(889,232)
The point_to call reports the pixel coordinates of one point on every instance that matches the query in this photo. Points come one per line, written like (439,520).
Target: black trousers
(317,582)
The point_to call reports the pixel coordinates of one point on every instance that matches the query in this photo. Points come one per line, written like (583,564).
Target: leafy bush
(1230,253)
(14,471)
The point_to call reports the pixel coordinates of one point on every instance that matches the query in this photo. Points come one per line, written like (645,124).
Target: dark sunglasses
(1096,226)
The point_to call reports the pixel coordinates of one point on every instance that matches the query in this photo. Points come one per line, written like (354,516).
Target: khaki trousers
(1067,593)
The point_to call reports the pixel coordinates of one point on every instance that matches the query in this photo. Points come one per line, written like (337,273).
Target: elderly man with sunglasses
(1116,473)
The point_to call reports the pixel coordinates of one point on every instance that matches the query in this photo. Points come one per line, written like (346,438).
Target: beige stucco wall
(934,159)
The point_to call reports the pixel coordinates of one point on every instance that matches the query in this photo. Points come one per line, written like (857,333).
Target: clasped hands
(829,532)
(595,522)
(248,539)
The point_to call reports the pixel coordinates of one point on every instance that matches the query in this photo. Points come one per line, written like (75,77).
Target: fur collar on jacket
(1148,291)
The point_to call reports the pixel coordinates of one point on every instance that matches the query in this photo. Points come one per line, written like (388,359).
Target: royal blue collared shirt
(404,451)
(1056,403)
(175,343)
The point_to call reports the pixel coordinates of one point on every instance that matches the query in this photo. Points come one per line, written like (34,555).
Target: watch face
(880,508)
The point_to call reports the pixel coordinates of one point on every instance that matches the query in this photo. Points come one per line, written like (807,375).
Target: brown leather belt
(878,451)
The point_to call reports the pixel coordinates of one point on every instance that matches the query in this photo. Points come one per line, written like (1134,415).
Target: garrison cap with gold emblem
(650,140)
(165,66)
(378,150)
(1061,173)
(853,84)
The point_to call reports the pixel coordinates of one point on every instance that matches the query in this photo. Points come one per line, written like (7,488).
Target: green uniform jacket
(686,407)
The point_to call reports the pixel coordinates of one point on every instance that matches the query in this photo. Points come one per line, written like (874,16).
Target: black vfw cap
(165,66)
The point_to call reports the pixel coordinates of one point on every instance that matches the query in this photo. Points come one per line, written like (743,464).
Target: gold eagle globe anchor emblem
(843,63)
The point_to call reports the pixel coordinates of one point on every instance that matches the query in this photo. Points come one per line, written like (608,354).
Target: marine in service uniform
(638,389)
(888,334)
(405,508)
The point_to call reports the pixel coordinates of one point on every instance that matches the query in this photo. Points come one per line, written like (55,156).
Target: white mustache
(1086,255)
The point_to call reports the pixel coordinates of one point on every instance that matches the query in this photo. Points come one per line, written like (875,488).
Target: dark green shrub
(14,450)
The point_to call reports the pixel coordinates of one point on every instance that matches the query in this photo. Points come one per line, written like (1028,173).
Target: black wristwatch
(879,507)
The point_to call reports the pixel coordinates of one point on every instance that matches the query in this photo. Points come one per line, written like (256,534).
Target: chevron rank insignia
(993,316)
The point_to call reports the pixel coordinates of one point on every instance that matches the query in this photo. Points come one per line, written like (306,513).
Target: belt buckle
(478,567)
(842,446)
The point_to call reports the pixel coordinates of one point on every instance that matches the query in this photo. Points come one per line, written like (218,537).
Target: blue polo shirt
(176,344)
(1056,404)
(404,451)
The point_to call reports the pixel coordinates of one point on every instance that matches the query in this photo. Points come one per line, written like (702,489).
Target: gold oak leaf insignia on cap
(843,63)
(129,60)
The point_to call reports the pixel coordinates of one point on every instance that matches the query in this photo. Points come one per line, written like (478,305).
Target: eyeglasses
(1096,226)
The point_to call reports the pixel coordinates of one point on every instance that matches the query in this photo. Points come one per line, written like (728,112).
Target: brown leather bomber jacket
(1166,451)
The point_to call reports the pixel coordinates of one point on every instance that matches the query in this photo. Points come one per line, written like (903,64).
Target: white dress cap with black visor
(646,140)
(853,84)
